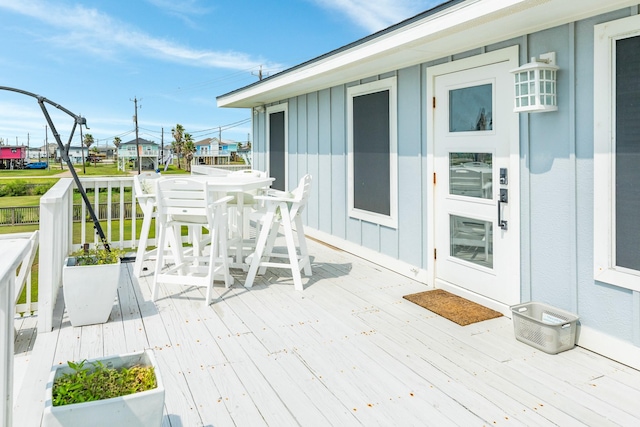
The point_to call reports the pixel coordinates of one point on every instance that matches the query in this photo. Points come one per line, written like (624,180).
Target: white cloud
(378,14)
(96,32)
(181,7)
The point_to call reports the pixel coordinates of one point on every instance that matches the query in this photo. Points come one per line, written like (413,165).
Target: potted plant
(90,283)
(124,390)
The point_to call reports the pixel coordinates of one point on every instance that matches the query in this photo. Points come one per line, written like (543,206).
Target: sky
(96,57)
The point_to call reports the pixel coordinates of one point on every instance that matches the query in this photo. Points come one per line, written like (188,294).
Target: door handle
(501,222)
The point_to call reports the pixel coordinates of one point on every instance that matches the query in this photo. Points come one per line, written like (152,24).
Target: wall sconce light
(535,84)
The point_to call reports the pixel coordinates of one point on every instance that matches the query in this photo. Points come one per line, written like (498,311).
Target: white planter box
(142,409)
(89,291)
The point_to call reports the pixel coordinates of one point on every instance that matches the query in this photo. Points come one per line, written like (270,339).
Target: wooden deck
(346,351)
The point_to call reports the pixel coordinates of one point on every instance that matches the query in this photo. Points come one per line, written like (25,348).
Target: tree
(188,149)
(177,144)
(116,142)
(87,140)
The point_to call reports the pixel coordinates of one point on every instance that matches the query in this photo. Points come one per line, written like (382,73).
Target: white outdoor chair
(188,202)
(145,188)
(281,208)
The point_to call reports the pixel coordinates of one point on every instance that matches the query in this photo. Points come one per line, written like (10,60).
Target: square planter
(89,291)
(142,409)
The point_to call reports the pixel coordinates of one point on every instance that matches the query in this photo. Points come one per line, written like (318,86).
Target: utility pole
(260,74)
(46,144)
(135,120)
(84,168)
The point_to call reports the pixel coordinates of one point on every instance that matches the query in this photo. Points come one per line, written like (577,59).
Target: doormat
(452,307)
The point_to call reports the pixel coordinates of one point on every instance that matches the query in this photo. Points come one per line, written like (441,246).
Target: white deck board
(346,351)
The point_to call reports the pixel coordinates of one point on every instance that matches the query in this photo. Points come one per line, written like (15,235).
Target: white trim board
(608,346)
(386,261)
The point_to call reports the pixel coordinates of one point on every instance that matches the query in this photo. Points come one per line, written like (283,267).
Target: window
(372,152)
(617,153)
(276,145)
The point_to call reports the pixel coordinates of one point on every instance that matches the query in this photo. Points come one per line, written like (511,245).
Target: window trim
(389,84)
(605,37)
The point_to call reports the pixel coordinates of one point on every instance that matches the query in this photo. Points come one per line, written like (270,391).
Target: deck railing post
(56,232)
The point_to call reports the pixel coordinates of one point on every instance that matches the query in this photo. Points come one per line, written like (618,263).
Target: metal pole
(64,153)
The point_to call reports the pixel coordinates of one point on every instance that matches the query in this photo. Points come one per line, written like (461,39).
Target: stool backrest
(144,182)
(184,200)
(301,195)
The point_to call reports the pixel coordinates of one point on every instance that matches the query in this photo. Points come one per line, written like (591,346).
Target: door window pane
(471,175)
(471,109)
(471,240)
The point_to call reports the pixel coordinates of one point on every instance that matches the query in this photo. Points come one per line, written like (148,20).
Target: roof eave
(458,27)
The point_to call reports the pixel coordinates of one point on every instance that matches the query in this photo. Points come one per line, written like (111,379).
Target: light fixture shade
(535,85)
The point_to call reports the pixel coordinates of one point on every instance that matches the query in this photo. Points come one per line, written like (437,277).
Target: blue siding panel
(410,235)
(311,162)
(338,200)
(323,181)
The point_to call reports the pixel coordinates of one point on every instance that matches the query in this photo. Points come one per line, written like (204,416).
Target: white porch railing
(217,169)
(57,237)
(23,278)
(13,252)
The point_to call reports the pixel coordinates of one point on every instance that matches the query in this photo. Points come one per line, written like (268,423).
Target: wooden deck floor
(346,351)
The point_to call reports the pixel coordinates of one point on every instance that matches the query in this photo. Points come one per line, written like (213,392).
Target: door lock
(503,176)
(504,195)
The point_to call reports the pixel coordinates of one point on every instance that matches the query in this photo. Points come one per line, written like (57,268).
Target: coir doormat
(452,307)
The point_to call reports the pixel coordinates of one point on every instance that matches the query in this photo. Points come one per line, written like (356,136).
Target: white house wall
(556,177)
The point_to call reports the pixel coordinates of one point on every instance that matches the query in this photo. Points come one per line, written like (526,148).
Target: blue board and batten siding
(556,178)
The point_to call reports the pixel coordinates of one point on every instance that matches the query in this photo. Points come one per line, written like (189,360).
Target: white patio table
(236,184)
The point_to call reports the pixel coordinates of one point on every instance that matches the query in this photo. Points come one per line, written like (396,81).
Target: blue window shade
(627,153)
(371,153)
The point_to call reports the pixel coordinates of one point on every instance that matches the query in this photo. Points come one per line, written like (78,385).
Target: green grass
(4,173)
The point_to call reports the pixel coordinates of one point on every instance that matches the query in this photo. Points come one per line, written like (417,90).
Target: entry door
(476,234)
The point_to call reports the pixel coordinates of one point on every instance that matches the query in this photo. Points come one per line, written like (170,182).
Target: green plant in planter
(86,384)
(96,256)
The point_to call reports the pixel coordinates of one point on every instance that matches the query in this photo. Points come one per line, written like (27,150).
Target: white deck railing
(13,252)
(56,231)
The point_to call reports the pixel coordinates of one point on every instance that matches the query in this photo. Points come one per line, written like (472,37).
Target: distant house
(427,158)
(75,154)
(212,151)
(245,153)
(149,155)
(35,154)
(12,156)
